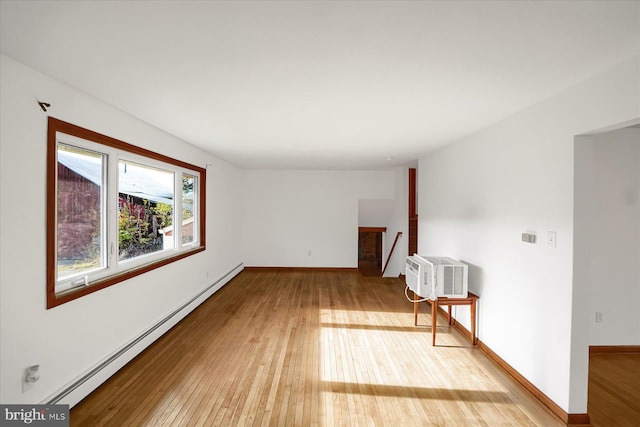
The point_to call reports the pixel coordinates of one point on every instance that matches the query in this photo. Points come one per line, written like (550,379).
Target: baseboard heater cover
(110,361)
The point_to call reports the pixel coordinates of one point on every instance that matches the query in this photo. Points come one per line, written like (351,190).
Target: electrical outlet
(308,253)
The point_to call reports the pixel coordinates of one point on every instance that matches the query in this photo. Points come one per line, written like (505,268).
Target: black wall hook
(44,105)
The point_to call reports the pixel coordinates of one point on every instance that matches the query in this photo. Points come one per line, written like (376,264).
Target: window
(115,211)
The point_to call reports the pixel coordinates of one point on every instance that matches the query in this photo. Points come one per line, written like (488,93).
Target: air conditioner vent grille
(433,277)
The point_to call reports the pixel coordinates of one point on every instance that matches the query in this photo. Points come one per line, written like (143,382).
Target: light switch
(551,239)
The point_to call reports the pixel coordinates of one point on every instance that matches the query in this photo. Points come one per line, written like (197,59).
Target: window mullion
(112,233)
(177,211)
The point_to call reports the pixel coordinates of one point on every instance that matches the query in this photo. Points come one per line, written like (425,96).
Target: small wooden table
(470,300)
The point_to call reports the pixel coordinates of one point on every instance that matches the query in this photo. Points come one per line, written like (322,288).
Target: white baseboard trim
(72,393)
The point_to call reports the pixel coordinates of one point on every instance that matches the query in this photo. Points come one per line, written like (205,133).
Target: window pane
(145,209)
(189,188)
(80,211)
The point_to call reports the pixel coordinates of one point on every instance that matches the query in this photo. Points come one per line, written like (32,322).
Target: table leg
(415,309)
(474,340)
(434,320)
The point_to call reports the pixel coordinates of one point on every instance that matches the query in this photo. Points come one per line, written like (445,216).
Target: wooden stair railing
(391,253)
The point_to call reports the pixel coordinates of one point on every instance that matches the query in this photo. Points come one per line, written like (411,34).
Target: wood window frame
(56,126)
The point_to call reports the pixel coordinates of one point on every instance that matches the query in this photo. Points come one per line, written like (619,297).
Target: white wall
(69,340)
(478,195)
(375,212)
(289,214)
(614,237)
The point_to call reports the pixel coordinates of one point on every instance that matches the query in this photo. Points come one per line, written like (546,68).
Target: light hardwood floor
(295,348)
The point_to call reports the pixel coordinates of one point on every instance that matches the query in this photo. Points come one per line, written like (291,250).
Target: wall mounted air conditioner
(433,277)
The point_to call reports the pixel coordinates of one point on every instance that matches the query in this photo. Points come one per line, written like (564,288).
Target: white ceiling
(315,84)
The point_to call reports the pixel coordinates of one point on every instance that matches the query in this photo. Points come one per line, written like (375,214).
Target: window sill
(64,297)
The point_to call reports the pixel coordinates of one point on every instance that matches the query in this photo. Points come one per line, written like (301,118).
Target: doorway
(370,250)
(606,252)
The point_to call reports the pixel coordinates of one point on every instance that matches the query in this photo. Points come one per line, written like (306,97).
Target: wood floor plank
(289,348)
(614,389)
